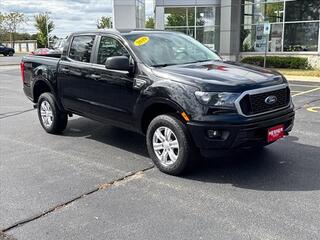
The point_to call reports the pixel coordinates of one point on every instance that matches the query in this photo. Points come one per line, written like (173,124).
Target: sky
(67,15)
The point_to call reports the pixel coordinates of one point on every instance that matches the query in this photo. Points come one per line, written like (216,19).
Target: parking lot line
(304,92)
(302,85)
(313,109)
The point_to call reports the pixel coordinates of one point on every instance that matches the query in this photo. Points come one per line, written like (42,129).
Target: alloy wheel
(46,114)
(165,145)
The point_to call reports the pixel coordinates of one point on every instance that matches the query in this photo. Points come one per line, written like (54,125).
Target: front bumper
(241,134)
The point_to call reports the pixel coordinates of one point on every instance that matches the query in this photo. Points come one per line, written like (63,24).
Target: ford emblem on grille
(271,100)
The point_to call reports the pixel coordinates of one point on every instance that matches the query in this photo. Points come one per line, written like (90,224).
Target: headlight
(217,99)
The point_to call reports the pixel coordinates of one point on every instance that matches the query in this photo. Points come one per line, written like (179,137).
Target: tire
(11,54)
(5,54)
(177,158)
(52,119)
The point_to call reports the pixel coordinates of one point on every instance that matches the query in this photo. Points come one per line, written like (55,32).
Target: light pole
(48,39)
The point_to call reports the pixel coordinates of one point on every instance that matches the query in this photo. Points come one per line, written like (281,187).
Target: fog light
(214,133)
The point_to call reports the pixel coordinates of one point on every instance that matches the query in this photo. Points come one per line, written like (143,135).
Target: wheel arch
(42,85)
(156,108)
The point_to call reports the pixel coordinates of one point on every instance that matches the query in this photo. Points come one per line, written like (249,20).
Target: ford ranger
(167,86)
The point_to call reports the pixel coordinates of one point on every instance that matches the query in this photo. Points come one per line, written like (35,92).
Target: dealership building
(235,28)
(128,14)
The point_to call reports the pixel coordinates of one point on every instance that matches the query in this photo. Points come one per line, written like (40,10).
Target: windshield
(161,49)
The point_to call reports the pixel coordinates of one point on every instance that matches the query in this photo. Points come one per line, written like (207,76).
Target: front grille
(252,104)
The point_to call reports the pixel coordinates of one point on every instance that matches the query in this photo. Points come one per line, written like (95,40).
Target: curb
(302,78)
(8,65)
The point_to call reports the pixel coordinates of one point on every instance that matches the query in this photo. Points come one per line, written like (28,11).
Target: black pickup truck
(165,85)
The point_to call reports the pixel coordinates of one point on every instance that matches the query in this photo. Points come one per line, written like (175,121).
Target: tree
(44,26)
(10,23)
(4,36)
(150,22)
(1,21)
(104,22)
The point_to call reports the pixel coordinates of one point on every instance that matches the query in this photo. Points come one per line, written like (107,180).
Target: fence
(23,46)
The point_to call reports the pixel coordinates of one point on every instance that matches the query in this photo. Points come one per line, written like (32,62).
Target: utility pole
(265,51)
(266,32)
(48,39)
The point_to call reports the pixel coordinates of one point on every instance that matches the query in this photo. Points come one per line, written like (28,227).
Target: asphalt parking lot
(13,60)
(97,182)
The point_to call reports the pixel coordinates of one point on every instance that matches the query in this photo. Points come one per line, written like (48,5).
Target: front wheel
(169,145)
(52,119)
(11,54)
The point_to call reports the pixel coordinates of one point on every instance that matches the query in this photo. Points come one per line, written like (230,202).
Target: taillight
(22,71)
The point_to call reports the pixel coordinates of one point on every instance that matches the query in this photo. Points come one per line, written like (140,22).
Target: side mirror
(120,63)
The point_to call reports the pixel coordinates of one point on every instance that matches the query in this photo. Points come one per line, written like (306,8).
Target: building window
(301,37)
(179,17)
(201,23)
(294,25)
(302,10)
(140,13)
(208,16)
(272,12)
(253,39)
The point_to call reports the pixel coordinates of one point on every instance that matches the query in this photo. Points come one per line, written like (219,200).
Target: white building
(128,14)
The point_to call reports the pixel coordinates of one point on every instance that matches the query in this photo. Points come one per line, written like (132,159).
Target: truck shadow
(284,166)
(113,136)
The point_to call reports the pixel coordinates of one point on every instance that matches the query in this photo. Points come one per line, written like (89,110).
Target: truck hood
(221,76)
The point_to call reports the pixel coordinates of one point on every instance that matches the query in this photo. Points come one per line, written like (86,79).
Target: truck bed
(34,65)
(51,59)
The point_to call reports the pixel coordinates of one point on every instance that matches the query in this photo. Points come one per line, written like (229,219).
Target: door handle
(65,70)
(95,76)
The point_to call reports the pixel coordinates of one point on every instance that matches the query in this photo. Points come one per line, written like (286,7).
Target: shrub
(278,62)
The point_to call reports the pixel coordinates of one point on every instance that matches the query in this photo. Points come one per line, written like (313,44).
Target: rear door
(74,74)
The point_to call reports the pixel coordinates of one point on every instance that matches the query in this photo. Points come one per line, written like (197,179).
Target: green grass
(299,72)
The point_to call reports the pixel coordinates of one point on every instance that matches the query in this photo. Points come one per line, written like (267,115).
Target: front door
(114,95)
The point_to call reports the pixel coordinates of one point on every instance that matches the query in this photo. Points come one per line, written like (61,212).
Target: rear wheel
(10,53)
(169,145)
(5,54)
(52,119)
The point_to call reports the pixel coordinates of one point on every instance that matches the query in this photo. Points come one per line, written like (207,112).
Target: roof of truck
(118,31)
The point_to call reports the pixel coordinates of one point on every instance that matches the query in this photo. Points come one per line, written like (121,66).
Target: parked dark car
(6,51)
(164,85)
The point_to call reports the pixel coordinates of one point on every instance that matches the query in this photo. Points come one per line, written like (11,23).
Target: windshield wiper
(170,64)
(164,65)
(207,60)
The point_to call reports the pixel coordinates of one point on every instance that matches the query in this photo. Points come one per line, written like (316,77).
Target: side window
(81,48)
(110,47)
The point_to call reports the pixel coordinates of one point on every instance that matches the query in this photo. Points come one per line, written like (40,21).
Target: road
(10,60)
(97,182)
